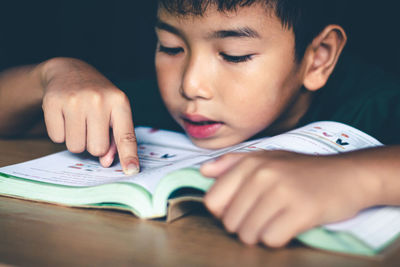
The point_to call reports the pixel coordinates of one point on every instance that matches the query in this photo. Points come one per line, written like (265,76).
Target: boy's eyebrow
(219,34)
(238,32)
(167,27)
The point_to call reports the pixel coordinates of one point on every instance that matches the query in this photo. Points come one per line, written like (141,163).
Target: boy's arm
(272,196)
(80,106)
(21,95)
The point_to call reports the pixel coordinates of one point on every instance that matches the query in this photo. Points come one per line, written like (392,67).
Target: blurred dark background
(118,38)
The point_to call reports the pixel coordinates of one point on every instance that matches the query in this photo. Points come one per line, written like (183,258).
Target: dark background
(118,38)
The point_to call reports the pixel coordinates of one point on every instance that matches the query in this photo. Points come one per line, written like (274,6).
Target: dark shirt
(357,94)
(362,96)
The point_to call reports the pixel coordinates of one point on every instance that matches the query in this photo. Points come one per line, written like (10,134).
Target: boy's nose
(196,81)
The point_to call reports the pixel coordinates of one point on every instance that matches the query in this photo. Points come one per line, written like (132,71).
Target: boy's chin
(214,143)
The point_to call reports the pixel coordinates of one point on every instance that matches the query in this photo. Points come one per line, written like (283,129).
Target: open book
(169,181)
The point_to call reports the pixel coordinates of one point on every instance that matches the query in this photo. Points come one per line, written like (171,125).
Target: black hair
(307,18)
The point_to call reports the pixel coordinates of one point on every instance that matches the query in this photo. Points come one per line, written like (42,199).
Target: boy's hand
(272,196)
(80,106)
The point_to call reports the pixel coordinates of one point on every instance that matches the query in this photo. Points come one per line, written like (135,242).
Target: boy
(227,71)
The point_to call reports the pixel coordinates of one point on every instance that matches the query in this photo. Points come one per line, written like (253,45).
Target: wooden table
(43,234)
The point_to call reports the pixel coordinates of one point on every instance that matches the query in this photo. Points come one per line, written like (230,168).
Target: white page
(156,161)
(375,226)
(70,169)
(161,152)
(317,138)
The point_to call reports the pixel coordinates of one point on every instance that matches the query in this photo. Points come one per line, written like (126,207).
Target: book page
(66,168)
(161,152)
(374,226)
(157,159)
(319,138)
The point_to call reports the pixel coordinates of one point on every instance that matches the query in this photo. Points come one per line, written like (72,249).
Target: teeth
(201,122)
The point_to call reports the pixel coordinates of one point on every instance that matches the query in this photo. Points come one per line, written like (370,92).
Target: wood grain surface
(43,234)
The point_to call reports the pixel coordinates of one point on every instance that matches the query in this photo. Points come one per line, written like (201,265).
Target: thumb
(221,165)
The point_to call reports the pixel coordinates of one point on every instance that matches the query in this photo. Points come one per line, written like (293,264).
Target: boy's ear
(322,55)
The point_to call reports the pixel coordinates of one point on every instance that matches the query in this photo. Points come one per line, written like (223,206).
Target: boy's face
(225,77)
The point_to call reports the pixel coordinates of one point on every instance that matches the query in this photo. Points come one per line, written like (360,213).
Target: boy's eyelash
(233,59)
(170,50)
(236,59)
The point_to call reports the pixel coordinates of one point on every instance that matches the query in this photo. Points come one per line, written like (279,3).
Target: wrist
(368,183)
(67,68)
(49,69)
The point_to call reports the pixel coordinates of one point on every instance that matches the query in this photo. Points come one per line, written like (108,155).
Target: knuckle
(250,161)
(128,138)
(56,138)
(264,175)
(75,148)
(229,225)
(211,206)
(55,134)
(96,99)
(121,98)
(97,151)
(72,99)
(45,101)
(48,101)
(270,173)
(247,238)
(259,178)
(274,242)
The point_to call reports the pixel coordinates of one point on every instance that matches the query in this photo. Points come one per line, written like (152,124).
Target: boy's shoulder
(361,95)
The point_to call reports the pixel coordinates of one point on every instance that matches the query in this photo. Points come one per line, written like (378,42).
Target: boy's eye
(236,59)
(170,50)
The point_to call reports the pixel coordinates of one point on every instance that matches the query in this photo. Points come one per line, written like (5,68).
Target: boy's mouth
(200,127)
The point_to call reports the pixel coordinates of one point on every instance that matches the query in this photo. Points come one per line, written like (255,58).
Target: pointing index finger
(125,140)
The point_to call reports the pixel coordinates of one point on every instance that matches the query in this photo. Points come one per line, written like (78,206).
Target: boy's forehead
(255,19)
(213,11)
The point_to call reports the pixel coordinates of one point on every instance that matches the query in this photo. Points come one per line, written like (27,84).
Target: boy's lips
(199,126)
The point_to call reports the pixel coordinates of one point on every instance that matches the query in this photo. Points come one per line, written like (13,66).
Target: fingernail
(131,169)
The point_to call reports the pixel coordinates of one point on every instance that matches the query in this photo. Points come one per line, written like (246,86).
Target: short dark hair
(307,18)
